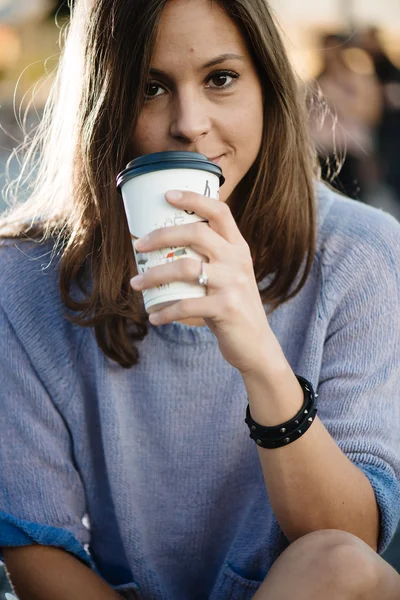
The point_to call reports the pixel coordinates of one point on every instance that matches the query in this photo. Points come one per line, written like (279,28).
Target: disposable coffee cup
(143,185)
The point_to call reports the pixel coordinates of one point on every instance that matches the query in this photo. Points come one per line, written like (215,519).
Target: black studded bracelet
(286,433)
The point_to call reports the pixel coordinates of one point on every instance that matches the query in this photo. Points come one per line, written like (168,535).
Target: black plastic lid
(161,161)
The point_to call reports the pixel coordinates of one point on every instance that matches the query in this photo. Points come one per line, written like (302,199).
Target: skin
(202,109)
(215,110)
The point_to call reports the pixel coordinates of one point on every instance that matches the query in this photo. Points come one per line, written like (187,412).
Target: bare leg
(331,565)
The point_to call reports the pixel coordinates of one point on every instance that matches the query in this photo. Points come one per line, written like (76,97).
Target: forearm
(311,484)
(47,573)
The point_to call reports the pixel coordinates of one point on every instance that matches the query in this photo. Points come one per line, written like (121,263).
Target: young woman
(126,464)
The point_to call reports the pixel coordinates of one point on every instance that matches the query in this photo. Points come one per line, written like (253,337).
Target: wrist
(289,431)
(274,395)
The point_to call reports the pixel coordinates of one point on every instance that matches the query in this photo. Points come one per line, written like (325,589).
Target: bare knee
(327,539)
(336,559)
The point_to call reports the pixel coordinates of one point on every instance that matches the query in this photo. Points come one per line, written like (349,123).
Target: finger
(183,269)
(199,236)
(217,213)
(205,308)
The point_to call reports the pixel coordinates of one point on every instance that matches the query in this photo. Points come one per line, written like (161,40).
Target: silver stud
(299,431)
(306,412)
(310,419)
(296,422)
(253,427)
(286,440)
(316,395)
(283,430)
(259,442)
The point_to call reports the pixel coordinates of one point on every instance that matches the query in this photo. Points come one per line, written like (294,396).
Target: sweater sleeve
(359,385)
(42,499)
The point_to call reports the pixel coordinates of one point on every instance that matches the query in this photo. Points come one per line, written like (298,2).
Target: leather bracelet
(290,431)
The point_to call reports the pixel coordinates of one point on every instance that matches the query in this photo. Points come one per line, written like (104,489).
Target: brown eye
(222,80)
(153,90)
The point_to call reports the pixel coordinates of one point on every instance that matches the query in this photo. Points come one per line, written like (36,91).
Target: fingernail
(141,242)
(174,195)
(137,281)
(154,318)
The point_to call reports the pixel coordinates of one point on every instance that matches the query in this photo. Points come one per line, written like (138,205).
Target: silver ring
(203,278)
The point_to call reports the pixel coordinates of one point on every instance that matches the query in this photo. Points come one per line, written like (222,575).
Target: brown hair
(84,143)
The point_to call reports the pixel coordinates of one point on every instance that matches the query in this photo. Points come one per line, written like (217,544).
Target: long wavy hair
(83,141)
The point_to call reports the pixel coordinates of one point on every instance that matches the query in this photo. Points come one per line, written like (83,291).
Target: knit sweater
(148,474)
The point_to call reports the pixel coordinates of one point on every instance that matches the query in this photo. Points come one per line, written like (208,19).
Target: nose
(190,119)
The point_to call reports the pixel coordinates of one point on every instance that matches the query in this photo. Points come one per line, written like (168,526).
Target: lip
(216,159)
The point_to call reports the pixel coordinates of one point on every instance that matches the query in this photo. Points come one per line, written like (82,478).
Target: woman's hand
(232,308)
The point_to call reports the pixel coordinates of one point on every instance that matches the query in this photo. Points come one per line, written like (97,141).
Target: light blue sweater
(158,456)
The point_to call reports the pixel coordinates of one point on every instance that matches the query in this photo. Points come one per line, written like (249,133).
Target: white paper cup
(143,185)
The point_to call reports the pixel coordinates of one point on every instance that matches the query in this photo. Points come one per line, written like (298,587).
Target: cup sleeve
(42,498)
(360,376)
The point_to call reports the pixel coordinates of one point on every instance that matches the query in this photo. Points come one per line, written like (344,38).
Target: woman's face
(204,94)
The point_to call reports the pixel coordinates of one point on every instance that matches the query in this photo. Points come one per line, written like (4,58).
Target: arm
(47,573)
(311,483)
(343,468)
(42,497)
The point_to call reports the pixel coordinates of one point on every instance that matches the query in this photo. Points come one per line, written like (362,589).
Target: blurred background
(347,50)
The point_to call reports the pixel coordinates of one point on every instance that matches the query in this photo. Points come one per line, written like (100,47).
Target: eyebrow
(211,63)
(222,58)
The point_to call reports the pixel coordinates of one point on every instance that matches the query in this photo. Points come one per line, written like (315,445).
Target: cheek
(147,136)
(248,133)
(246,138)
(247,123)
(256,121)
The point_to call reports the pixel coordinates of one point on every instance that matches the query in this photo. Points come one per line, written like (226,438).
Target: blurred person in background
(388,75)
(344,134)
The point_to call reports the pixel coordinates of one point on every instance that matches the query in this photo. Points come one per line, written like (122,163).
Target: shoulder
(29,270)
(30,298)
(358,247)
(348,226)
